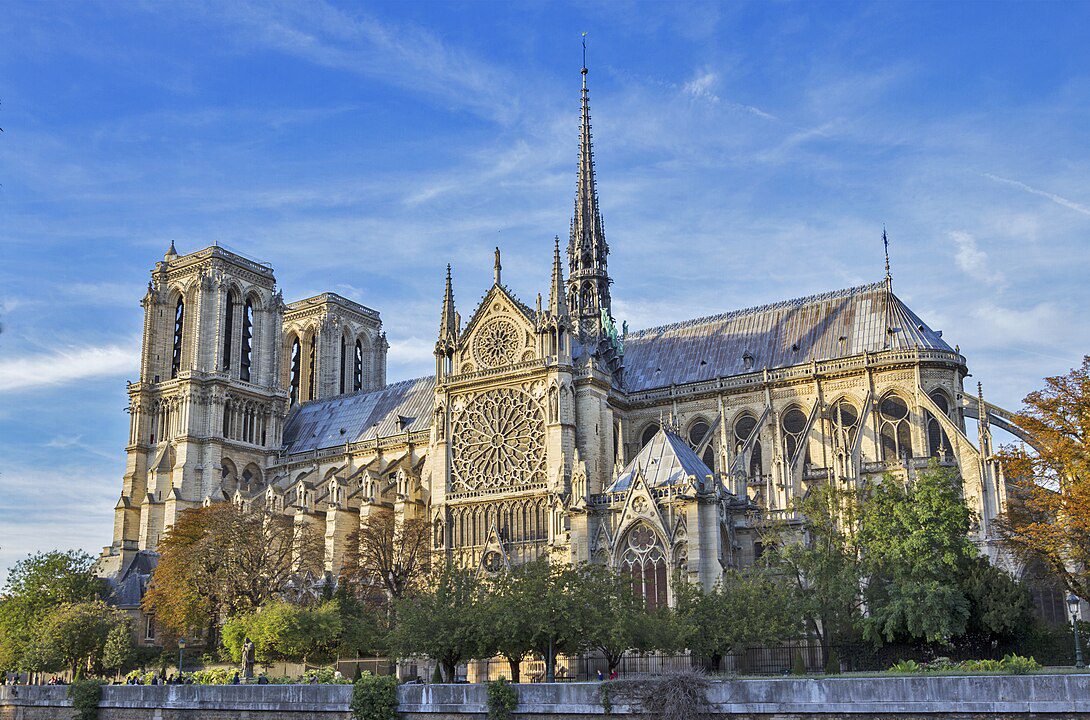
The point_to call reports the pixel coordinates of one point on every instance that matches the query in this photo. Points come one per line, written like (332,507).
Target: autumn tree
(221,560)
(1048,516)
(388,552)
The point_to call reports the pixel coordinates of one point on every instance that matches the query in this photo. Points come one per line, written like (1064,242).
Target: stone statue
(248,659)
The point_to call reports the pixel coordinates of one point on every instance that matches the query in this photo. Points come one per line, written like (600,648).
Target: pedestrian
(613,674)
(600,676)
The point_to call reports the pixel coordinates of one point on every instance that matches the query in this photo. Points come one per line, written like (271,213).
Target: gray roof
(397,408)
(820,327)
(128,586)
(666,460)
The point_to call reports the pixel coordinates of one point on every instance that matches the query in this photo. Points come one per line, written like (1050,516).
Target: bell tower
(207,412)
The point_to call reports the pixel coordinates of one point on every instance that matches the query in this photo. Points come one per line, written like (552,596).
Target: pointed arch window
(228,329)
(644,561)
(176,354)
(793,424)
(895,431)
(344,357)
(743,428)
(296,359)
(845,425)
(648,434)
(246,358)
(357,368)
(699,433)
(938,443)
(312,356)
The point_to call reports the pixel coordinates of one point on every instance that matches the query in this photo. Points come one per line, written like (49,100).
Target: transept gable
(501,332)
(640,505)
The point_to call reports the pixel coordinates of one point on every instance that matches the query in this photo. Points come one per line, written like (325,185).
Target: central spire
(588,281)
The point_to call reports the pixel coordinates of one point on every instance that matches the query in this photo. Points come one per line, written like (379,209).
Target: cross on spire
(885,244)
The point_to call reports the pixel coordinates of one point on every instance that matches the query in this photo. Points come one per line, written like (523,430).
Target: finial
(584,53)
(496,269)
(172,252)
(448,271)
(885,244)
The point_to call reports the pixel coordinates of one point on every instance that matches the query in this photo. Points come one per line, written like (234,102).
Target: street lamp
(1073,605)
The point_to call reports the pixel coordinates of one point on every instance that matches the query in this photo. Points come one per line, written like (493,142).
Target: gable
(500,333)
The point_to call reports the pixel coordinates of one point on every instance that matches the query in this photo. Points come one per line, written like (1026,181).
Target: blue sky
(746,153)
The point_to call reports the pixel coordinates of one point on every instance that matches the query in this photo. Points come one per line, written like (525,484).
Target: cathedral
(546,429)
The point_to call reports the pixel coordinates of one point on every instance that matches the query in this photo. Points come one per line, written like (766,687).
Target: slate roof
(666,460)
(128,586)
(820,327)
(398,407)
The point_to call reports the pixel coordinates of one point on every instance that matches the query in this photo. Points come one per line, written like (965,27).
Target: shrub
(679,695)
(374,697)
(324,676)
(503,698)
(85,696)
(799,665)
(1018,665)
(906,666)
(214,676)
(437,676)
(832,663)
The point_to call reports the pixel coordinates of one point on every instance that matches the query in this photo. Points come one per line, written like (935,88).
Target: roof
(128,586)
(397,408)
(666,460)
(837,324)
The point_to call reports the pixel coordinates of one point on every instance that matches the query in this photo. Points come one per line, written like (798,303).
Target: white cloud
(1058,199)
(971,259)
(67,366)
(701,86)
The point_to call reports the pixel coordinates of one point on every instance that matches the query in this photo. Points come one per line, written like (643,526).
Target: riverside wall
(979,697)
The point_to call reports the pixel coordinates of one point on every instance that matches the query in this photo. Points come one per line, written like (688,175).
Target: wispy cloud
(971,259)
(1058,199)
(67,366)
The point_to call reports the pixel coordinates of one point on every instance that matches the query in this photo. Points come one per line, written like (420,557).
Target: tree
(746,607)
(823,563)
(1000,607)
(442,621)
(390,553)
(617,619)
(118,652)
(509,629)
(559,602)
(73,636)
(35,586)
(916,548)
(221,560)
(1048,516)
(283,631)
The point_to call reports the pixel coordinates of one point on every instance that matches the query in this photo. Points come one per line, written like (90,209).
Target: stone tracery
(498,443)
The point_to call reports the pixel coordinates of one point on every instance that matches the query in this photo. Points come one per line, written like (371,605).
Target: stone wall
(1041,697)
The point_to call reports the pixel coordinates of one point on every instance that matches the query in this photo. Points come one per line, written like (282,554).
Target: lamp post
(1073,605)
(181,649)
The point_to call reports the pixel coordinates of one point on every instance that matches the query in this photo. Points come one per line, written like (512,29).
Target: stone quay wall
(1036,697)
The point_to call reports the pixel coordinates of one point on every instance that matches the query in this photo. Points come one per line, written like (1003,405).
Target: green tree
(283,631)
(560,601)
(617,619)
(73,636)
(1000,607)
(750,606)
(916,549)
(118,652)
(442,621)
(823,562)
(35,586)
(508,628)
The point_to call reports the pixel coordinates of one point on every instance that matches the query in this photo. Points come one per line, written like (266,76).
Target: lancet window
(938,443)
(228,329)
(743,428)
(246,357)
(296,360)
(845,420)
(793,424)
(357,368)
(344,358)
(312,362)
(649,432)
(644,560)
(895,430)
(176,354)
(699,433)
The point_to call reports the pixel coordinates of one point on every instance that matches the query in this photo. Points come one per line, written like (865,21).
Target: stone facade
(545,431)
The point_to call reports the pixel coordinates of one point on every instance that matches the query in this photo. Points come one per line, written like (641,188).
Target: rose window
(498,443)
(497,344)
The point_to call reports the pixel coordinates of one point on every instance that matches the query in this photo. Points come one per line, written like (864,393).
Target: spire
(588,280)
(885,244)
(448,323)
(496,268)
(172,252)
(558,307)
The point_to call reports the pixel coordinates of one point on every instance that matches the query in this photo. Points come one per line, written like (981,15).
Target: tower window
(176,355)
(357,368)
(296,359)
(344,369)
(312,356)
(247,341)
(228,329)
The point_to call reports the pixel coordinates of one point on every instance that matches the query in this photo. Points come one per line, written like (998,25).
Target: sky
(746,153)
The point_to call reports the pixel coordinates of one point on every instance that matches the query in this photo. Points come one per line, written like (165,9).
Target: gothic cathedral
(546,430)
